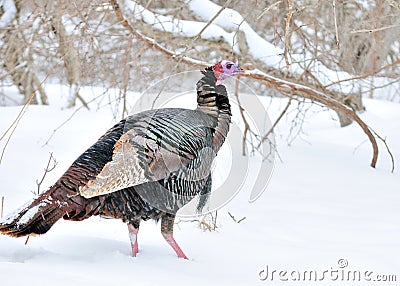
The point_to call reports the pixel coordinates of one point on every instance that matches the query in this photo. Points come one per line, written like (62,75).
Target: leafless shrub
(93,43)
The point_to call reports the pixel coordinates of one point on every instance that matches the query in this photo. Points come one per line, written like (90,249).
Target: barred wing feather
(156,144)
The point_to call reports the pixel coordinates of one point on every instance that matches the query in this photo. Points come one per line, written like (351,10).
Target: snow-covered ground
(324,207)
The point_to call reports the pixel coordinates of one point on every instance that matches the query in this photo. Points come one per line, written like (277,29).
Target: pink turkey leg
(171,241)
(133,232)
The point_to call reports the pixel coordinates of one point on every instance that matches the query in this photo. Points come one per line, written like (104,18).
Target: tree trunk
(20,64)
(68,53)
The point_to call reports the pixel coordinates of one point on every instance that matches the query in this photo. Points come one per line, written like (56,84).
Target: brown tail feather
(36,217)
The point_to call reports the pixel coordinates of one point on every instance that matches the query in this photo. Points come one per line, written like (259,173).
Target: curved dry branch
(285,87)
(151,43)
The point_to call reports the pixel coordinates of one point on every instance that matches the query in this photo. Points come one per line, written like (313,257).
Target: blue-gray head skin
(224,69)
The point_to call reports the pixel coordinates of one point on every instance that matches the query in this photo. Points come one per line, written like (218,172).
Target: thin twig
(364,76)
(2,207)
(126,74)
(393,3)
(68,119)
(212,20)
(164,85)
(275,123)
(207,222)
(84,103)
(241,110)
(288,35)
(387,148)
(336,26)
(206,226)
(212,226)
(374,30)
(20,114)
(47,170)
(268,8)
(234,219)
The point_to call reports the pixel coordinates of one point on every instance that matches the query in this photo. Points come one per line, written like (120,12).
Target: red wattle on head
(217,68)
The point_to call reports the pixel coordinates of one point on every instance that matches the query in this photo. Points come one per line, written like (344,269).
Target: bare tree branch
(212,20)
(364,76)
(374,30)
(285,87)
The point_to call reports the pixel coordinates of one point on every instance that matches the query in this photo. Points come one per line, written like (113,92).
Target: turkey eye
(228,66)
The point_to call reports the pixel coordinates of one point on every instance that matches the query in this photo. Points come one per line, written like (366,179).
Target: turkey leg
(133,229)
(167,230)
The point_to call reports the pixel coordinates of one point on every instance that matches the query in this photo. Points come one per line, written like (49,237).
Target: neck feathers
(212,99)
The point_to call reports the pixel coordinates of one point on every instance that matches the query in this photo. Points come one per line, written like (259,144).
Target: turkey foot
(171,241)
(167,230)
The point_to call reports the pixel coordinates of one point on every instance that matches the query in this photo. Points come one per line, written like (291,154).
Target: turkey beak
(239,70)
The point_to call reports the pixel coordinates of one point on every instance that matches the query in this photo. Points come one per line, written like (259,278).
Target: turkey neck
(213,100)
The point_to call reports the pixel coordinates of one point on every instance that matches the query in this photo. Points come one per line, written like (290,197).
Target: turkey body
(147,166)
(148,200)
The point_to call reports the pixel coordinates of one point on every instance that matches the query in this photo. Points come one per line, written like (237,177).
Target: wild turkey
(147,166)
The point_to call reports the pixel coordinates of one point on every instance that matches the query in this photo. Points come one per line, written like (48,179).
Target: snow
(13,215)
(9,11)
(323,203)
(180,27)
(230,19)
(30,213)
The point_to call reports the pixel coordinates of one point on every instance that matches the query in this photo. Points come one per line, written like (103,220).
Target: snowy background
(323,203)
